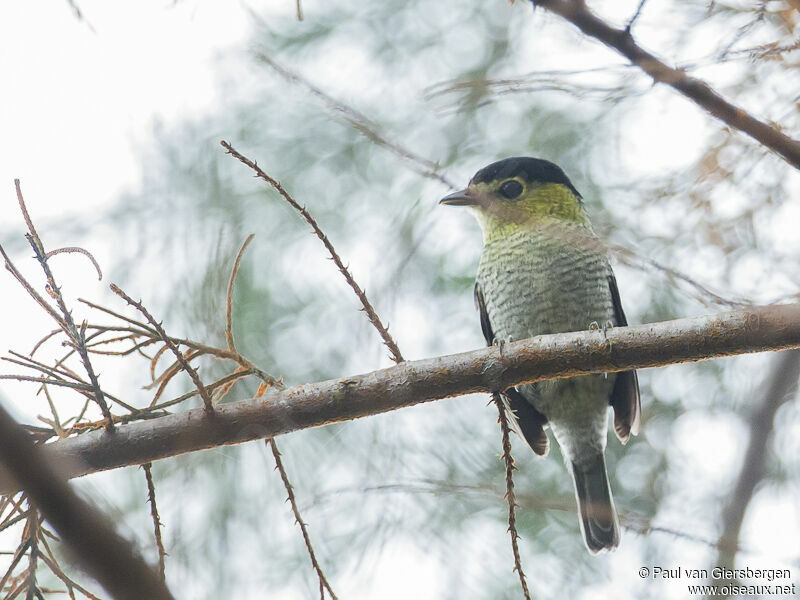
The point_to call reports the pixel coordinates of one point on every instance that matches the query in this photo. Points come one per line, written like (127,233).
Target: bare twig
(31,291)
(323,582)
(151,497)
(421,165)
(32,528)
(577,13)
(52,564)
(34,365)
(76,337)
(703,294)
(246,366)
(41,379)
(18,554)
(367,307)
(78,250)
(27,217)
(635,16)
(512,502)
(119,316)
(299,8)
(105,555)
(231,282)
(479,371)
(207,403)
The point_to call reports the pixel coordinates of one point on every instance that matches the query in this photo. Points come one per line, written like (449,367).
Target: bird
(543,271)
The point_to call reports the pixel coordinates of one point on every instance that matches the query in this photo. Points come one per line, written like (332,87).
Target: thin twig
(234,272)
(50,561)
(247,366)
(703,294)
(10,522)
(27,217)
(512,502)
(635,16)
(323,582)
(367,307)
(577,13)
(37,366)
(42,379)
(209,406)
(421,165)
(78,250)
(31,291)
(119,316)
(20,552)
(56,421)
(33,554)
(299,7)
(76,337)
(151,496)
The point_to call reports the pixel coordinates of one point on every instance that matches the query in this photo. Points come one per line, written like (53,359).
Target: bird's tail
(598,516)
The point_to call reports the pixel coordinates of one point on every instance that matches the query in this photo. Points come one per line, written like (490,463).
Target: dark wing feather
(486,327)
(625,395)
(529,421)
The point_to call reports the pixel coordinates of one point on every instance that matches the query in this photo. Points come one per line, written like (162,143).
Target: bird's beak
(460,198)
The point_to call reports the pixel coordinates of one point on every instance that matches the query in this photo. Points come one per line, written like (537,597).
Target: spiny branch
(207,403)
(77,338)
(512,501)
(323,582)
(368,309)
(151,498)
(269,381)
(621,40)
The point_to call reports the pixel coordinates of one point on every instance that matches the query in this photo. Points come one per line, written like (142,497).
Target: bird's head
(520,192)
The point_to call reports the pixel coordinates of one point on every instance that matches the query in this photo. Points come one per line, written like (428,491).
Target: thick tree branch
(544,357)
(577,13)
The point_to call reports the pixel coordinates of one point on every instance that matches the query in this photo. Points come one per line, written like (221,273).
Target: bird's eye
(511,189)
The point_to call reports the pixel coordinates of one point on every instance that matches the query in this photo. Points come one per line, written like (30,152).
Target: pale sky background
(78,107)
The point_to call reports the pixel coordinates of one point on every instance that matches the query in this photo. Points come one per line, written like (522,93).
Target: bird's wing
(625,395)
(486,327)
(529,422)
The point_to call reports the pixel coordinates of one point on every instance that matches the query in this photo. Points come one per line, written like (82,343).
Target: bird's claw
(500,343)
(606,326)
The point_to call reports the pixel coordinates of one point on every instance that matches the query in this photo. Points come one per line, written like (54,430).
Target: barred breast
(535,283)
(538,282)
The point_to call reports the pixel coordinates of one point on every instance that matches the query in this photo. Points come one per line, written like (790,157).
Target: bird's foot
(606,326)
(500,343)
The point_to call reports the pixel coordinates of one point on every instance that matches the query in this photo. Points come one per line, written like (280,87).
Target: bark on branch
(577,13)
(486,370)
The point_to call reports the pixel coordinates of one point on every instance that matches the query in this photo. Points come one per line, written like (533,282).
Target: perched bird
(544,271)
